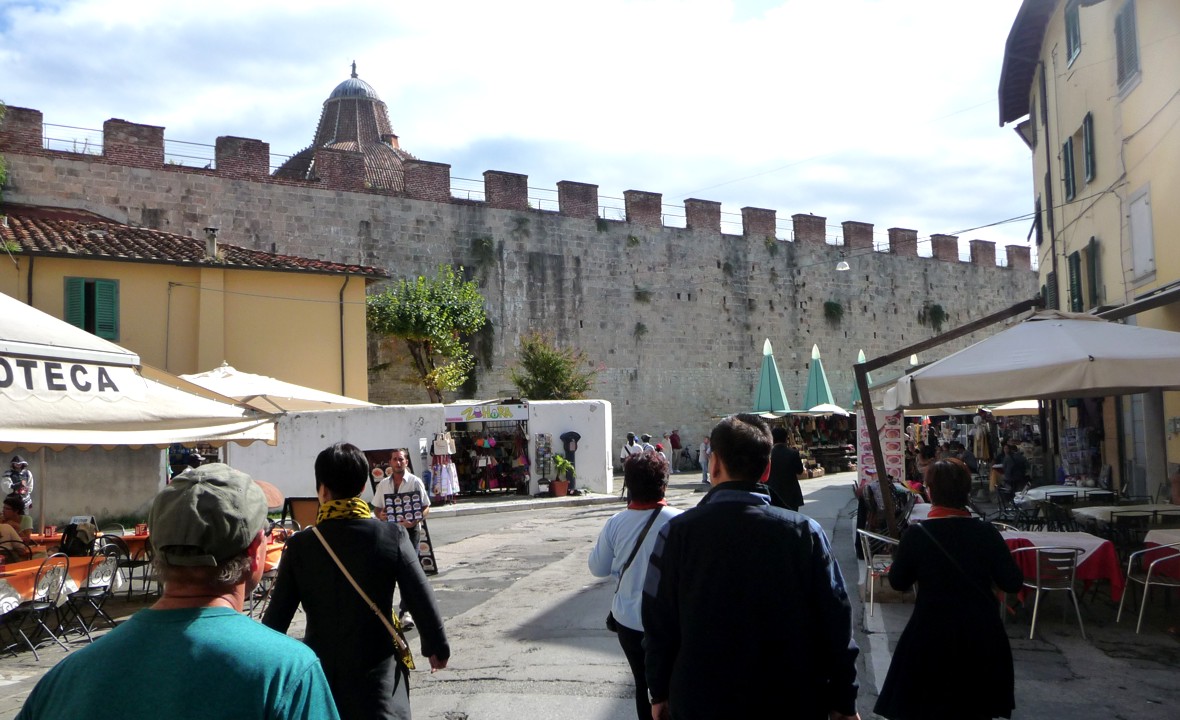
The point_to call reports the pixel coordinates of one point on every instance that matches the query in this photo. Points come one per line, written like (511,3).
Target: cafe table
(1098,560)
(17,580)
(1155,538)
(1040,494)
(1100,514)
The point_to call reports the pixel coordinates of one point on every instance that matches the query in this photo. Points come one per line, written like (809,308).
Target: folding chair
(878,552)
(1148,576)
(259,600)
(130,563)
(84,606)
(1056,570)
(47,589)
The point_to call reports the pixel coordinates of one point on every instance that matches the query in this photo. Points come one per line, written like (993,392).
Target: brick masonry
(675,318)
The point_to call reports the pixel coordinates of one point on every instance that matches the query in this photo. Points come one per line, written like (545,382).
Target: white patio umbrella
(61,386)
(1052,354)
(1017,407)
(270,394)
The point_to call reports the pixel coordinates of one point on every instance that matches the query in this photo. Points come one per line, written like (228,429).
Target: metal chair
(1167,519)
(1137,500)
(300,509)
(259,599)
(84,606)
(1101,497)
(1128,528)
(1058,515)
(1056,570)
(878,552)
(12,551)
(30,615)
(1148,576)
(113,529)
(130,563)
(1004,527)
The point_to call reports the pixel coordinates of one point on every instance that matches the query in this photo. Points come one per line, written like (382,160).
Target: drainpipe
(342,287)
(29,280)
(1050,443)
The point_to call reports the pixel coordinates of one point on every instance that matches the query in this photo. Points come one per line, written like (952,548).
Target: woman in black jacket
(953,659)
(367,677)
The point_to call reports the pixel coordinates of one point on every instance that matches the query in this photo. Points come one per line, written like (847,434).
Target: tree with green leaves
(432,316)
(547,372)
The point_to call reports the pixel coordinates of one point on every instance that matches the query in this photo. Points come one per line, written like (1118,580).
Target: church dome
(354,118)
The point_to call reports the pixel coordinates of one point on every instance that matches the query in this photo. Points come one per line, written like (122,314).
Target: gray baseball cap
(213,508)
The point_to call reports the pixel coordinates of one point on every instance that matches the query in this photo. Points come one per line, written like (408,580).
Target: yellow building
(186,305)
(1094,89)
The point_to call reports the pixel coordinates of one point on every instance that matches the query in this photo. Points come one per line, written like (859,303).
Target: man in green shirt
(194,654)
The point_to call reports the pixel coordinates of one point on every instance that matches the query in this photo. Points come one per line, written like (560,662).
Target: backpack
(77,540)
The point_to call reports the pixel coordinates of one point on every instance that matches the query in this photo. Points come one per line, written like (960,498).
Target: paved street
(525,621)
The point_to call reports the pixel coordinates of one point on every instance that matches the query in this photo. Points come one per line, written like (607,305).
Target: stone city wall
(675,318)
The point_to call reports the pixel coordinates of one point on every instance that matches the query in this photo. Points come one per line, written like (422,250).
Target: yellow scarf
(352,508)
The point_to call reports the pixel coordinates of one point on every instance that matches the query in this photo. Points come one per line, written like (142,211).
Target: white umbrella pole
(40,481)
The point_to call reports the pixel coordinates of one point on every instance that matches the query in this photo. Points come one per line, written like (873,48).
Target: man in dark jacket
(737,578)
(785,467)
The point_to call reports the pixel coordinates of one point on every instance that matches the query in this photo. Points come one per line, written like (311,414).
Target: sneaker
(407,620)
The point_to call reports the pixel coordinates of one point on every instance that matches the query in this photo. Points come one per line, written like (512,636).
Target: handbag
(611,623)
(403,650)
(444,443)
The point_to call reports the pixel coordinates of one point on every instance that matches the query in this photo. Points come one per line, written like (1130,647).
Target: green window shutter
(1067,169)
(75,304)
(1092,270)
(1088,146)
(1075,281)
(1126,43)
(106,309)
(1051,296)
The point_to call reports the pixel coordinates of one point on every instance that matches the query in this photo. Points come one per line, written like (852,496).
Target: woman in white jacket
(630,536)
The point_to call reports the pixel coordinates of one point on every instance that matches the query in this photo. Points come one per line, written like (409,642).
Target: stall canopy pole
(862,371)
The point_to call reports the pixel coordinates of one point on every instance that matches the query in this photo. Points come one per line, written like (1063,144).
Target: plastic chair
(47,589)
(1056,570)
(877,563)
(1148,576)
(84,606)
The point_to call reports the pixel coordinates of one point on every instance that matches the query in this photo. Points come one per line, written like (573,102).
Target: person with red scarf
(955,559)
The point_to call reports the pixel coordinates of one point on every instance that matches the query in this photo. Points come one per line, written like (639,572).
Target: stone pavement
(1114,673)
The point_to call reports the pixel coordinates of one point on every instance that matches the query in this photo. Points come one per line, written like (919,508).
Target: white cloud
(873,110)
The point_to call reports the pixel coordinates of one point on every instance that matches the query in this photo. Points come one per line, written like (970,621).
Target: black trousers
(415,534)
(632,643)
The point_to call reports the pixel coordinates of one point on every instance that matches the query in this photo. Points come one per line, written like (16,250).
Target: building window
(1073,31)
(93,305)
(1067,172)
(1088,146)
(1142,242)
(1126,43)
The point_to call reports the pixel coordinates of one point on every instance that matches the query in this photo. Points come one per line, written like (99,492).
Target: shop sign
(486,413)
(22,377)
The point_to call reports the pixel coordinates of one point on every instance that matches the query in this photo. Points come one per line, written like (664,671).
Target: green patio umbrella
(769,396)
(818,390)
(860,358)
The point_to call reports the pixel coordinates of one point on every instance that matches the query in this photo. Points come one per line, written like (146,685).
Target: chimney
(211,243)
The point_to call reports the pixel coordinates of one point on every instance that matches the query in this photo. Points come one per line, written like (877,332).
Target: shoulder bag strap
(397,638)
(970,580)
(654,514)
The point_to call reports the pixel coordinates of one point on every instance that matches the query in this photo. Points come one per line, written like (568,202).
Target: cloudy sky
(882,111)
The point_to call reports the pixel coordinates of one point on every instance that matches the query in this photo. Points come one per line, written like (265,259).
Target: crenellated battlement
(142,146)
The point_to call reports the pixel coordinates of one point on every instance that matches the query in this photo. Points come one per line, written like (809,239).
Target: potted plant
(560,485)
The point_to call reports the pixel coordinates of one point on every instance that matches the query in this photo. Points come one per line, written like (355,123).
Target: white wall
(290,464)
(589,418)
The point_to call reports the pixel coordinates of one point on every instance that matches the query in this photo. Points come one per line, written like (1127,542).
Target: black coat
(745,611)
(953,659)
(786,465)
(353,645)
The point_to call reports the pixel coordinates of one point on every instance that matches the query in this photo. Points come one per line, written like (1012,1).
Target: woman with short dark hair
(955,559)
(367,677)
(646,478)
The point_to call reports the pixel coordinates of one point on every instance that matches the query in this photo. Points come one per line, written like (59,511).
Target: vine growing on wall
(833,311)
(933,315)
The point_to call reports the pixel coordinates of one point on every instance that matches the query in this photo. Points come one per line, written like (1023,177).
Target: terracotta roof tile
(61,231)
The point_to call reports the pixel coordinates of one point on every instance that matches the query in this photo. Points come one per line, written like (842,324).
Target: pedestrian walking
(955,559)
(737,577)
(622,550)
(703,454)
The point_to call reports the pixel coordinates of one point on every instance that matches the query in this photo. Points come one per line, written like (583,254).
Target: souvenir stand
(491,446)
(825,442)
(442,478)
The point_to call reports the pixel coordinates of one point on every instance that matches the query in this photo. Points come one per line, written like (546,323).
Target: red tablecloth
(1155,538)
(1101,563)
